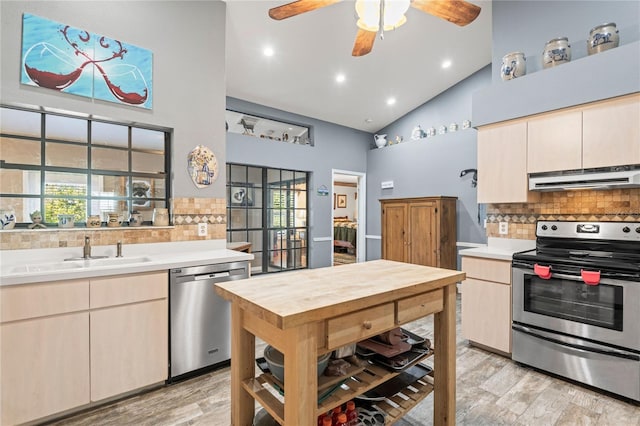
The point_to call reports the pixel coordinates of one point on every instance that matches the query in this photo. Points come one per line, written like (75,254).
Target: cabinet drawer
(487,269)
(124,289)
(359,325)
(419,306)
(37,300)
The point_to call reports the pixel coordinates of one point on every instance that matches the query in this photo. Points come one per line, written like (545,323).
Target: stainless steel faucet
(86,253)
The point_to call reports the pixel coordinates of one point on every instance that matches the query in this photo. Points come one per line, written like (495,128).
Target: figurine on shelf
(36,218)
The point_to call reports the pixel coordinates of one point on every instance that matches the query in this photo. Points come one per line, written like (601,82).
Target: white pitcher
(381,140)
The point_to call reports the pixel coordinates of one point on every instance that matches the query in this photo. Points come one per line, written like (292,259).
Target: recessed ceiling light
(446,63)
(340,78)
(268,51)
(391,101)
(368,120)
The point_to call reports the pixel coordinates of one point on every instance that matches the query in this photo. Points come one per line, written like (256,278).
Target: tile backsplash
(589,205)
(187,213)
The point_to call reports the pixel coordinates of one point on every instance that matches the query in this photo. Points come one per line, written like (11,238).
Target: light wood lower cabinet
(66,344)
(486,303)
(44,367)
(128,348)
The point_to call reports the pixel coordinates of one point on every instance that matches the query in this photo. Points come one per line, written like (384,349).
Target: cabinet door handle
(367,325)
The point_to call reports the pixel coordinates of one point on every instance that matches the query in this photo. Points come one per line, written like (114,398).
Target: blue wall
(429,166)
(335,147)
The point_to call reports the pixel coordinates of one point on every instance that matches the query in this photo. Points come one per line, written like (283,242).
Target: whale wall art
(70,60)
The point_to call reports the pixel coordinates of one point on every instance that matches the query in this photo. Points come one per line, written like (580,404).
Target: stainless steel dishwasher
(200,320)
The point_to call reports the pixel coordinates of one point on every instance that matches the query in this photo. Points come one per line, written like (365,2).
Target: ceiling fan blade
(297,7)
(364,42)
(459,12)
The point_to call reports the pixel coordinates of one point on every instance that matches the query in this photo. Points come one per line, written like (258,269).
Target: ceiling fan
(377,16)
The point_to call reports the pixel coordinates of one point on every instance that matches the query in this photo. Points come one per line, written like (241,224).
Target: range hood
(585,179)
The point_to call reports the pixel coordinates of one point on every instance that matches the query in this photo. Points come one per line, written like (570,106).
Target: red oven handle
(590,277)
(543,272)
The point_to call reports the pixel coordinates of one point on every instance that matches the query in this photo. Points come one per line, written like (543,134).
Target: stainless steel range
(576,304)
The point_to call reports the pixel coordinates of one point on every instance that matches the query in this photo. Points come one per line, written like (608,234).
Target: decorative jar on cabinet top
(514,65)
(556,52)
(160,217)
(603,37)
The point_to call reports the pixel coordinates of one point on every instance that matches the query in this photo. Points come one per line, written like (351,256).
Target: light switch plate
(202,229)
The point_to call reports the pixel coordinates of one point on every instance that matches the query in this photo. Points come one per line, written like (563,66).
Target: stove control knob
(638,229)
(626,229)
(544,227)
(554,228)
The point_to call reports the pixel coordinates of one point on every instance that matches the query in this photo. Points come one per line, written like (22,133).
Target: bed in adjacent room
(345,234)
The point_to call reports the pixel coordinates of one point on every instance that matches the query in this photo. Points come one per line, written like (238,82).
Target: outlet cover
(202,229)
(503,228)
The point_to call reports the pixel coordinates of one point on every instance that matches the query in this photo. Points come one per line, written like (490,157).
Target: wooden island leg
(301,376)
(444,364)
(243,348)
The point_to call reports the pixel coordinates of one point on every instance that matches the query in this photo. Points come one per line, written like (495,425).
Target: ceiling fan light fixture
(368,12)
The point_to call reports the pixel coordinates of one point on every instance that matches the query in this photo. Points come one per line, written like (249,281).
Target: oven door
(608,312)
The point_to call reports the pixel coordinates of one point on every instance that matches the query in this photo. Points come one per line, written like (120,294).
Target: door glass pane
(273,177)
(66,155)
(147,162)
(20,182)
(255,238)
(20,151)
(109,134)
(20,123)
(238,174)
(286,177)
(254,176)
(149,140)
(109,159)
(255,218)
(237,219)
(65,128)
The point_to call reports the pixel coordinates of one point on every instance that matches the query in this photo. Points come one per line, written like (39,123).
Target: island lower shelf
(366,378)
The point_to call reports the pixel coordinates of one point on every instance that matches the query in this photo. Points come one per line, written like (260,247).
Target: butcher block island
(310,312)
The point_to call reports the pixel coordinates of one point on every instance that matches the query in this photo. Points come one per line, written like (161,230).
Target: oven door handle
(580,347)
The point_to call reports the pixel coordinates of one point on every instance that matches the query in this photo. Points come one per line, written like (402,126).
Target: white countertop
(43,265)
(499,248)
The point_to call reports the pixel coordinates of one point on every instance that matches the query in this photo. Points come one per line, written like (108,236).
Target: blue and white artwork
(59,57)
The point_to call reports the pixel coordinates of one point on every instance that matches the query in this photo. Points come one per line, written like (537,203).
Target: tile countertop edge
(158,258)
(499,248)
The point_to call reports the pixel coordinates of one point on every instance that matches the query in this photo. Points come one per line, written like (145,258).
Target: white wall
(187,39)
(352,203)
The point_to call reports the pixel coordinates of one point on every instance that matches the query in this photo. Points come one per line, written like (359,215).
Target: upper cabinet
(554,142)
(611,133)
(502,163)
(602,134)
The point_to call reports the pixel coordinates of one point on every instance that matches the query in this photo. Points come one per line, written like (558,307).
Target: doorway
(348,217)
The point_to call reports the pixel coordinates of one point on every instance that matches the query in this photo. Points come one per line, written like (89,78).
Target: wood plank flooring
(491,390)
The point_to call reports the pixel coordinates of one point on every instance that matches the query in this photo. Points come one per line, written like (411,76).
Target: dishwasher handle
(213,276)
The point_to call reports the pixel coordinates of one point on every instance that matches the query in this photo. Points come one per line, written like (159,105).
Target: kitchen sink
(117,261)
(77,264)
(46,267)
